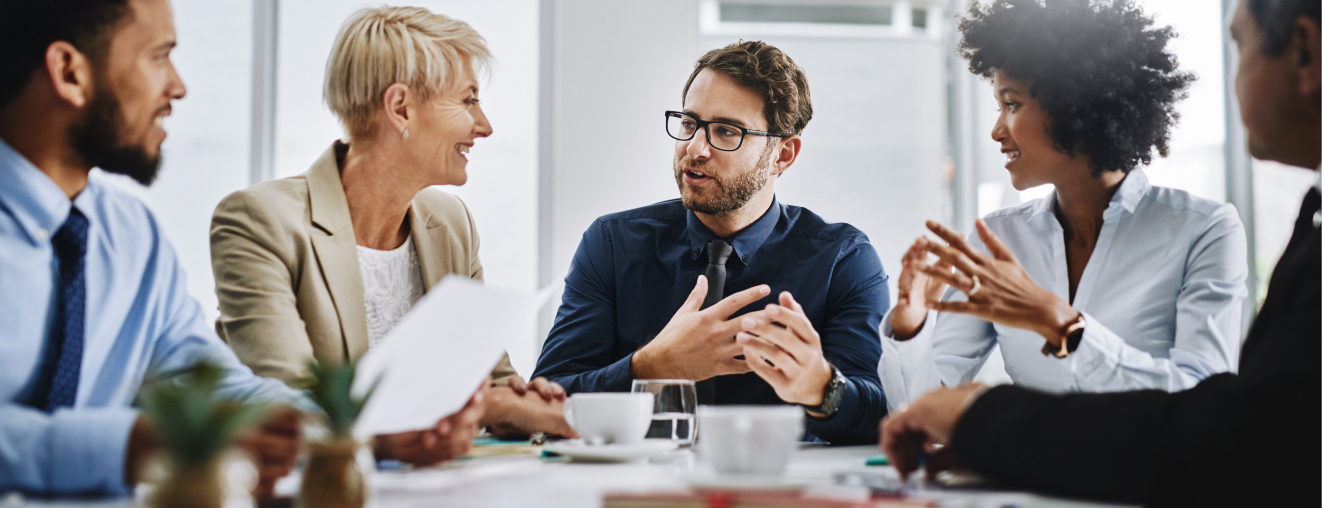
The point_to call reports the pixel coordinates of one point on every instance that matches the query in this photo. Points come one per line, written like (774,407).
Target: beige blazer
(286,266)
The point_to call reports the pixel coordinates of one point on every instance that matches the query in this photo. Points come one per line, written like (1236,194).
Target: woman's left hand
(1004,292)
(549,390)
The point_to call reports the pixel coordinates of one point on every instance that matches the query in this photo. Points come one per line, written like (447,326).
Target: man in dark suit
(1246,439)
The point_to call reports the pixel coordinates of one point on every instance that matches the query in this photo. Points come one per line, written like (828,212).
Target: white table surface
(527,481)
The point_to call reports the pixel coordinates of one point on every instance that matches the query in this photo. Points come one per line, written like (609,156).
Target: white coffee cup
(610,418)
(749,439)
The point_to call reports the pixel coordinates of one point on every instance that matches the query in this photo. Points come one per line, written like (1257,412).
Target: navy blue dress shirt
(634,269)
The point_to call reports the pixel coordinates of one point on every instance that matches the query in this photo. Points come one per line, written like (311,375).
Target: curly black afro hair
(1098,68)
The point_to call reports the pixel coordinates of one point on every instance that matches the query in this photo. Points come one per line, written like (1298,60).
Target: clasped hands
(778,343)
(998,288)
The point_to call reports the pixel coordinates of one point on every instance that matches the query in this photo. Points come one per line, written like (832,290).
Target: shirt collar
(37,203)
(746,242)
(1127,197)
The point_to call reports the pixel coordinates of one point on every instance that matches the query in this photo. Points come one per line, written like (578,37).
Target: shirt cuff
(88,448)
(1097,349)
(618,376)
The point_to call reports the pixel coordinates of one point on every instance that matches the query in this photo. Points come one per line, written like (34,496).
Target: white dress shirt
(1162,296)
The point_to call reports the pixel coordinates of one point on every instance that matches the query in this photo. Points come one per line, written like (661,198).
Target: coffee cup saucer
(580,451)
(704,478)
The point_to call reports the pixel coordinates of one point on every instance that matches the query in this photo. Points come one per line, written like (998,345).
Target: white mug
(749,439)
(610,418)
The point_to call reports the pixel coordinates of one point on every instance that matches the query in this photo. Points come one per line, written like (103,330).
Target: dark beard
(733,196)
(97,139)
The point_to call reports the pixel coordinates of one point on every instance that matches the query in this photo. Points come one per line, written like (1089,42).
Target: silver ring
(977,284)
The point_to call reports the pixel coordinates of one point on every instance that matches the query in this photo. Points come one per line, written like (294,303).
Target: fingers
(769,350)
(793,318)
(944,275)
(938,461)
(787,300)
(957,241)
(699,293)
(908,274)
(759,325)
(730,304)
(960,307)
(548,389)
(735,365)
(769,373)
(900,443)
(953,256)
(518,384)
(994,245)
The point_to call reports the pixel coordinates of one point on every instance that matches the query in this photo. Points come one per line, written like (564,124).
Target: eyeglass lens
(722,136)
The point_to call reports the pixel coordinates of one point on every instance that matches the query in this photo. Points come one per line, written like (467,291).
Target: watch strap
(831,395)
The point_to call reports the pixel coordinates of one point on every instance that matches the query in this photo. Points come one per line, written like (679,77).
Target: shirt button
(745,258)
(1074,390)
(42,234)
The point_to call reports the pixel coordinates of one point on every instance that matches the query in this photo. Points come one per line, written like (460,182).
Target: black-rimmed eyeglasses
(720,135)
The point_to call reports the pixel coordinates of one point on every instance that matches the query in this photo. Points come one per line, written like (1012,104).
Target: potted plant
(196,429)
(332,478)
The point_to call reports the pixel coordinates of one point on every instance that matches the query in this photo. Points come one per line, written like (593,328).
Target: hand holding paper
(440,354)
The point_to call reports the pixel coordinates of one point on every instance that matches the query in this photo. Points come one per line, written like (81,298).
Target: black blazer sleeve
(1252,439)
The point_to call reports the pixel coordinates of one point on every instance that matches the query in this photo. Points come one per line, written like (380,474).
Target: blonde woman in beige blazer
(286,253)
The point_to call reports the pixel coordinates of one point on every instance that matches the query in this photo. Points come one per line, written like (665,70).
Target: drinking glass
(673,413)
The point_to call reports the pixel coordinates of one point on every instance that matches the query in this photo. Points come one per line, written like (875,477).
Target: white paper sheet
(439,354)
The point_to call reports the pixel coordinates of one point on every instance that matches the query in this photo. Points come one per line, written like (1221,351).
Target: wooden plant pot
(332,478)
(190,486)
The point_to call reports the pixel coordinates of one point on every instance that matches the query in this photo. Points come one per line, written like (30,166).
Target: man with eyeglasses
(699,288)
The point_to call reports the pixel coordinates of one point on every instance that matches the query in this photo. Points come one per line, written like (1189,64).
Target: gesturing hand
(784,350)
(697,344)
(915,290)
(1005,294)
(927,422)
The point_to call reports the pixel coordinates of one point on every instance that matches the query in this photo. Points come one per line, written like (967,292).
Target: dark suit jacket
(1252,439)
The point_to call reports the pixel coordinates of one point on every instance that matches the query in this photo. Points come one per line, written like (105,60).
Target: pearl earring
(406,133)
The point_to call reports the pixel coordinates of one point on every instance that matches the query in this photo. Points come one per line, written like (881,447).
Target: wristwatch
(1069,341)
(832,395)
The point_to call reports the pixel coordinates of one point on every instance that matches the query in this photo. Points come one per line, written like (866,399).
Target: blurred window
(806,13)
(919,18)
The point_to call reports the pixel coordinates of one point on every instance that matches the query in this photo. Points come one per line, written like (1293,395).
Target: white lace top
(392,283)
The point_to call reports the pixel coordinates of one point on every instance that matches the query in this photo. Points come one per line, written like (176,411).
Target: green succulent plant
(194,424)
(332,390)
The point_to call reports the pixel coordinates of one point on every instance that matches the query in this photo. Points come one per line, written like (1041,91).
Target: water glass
(673,415)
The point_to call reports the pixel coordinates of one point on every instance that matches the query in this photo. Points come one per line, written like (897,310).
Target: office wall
(618,67)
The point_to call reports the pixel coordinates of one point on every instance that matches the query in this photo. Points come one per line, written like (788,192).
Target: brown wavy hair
(770,73)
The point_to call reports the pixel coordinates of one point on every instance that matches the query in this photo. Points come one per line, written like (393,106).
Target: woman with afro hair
(1107,284)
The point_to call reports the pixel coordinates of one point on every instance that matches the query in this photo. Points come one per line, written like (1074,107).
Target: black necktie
(718,251)
(59,386)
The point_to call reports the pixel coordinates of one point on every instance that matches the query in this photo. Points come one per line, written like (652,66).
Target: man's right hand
(915,290)
(698,344)
(450,438)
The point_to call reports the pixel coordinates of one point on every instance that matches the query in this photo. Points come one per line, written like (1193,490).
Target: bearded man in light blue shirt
(92,296)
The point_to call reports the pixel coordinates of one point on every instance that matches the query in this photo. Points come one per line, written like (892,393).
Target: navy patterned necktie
(70,243)
(718,252)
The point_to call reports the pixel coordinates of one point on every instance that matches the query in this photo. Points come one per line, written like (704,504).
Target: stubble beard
(98,140)
(731,194)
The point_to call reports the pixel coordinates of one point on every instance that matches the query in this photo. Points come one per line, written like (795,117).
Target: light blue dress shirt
(1162,296)
(140,322)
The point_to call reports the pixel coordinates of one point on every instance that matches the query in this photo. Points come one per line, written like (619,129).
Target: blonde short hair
(378,47)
